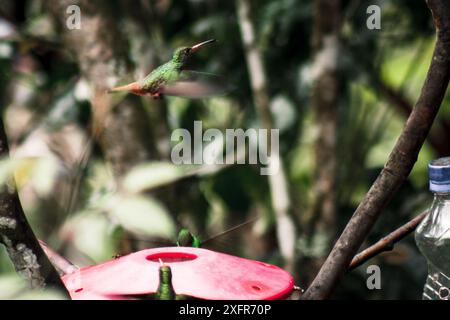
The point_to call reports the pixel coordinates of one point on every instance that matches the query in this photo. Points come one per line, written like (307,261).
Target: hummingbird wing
(234,228)
(227,240)
(195,85)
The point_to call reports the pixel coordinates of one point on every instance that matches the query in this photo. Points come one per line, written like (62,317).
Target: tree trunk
(16,235)
(325,102)
(281,203)
(101,52)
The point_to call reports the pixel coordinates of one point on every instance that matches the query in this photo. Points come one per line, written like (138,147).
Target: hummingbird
(187,239)
(171,78)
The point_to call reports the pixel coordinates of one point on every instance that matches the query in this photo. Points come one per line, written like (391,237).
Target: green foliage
(139,214)
(13,287)
(151,175)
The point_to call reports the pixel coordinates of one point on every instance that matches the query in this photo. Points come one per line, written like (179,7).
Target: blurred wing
(226,240)
(196,85)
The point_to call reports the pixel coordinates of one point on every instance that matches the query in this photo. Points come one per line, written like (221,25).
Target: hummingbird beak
(201,44)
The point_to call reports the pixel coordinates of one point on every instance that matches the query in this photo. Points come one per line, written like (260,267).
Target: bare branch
(62,265)
(386,243)
(399,164)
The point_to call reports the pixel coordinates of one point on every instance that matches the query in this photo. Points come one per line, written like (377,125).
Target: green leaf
(142,215)
(151,175)
(90,232)
(44,175)
(39,172)
(7,168)
(12,286)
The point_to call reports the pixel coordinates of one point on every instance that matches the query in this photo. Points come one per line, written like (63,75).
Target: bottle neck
(442,196)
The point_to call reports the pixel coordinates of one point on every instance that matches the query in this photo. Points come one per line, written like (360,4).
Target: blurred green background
(128,195)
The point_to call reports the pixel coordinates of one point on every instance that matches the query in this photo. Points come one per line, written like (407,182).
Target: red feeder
(199,273)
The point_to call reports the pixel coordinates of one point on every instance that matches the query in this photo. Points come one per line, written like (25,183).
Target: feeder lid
(199,273)
(439,174)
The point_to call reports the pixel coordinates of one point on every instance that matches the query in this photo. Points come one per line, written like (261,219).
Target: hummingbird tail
(128,87)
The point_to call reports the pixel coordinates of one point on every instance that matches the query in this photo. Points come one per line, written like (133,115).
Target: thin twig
(386,243)
(399,164)
(62,265)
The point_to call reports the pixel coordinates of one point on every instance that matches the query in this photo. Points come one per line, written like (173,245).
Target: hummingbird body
(187,239)
(164,79)
(153,83)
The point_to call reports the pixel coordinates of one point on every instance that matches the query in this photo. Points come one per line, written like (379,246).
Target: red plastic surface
(199,273)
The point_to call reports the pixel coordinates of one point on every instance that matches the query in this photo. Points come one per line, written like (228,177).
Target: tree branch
(16,235)
(399,164)
(386,243)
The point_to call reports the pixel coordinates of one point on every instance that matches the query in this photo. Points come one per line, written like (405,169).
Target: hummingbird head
(182,54)
(185,238)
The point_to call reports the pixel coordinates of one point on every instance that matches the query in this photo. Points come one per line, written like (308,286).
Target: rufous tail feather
(128,87)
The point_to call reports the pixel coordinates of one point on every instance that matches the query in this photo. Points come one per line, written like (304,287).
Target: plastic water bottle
(433,234)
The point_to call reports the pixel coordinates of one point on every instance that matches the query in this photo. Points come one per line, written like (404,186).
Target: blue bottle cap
(439,175)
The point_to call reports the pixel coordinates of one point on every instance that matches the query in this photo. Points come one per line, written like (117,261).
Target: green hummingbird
(171,78)
(187,239)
